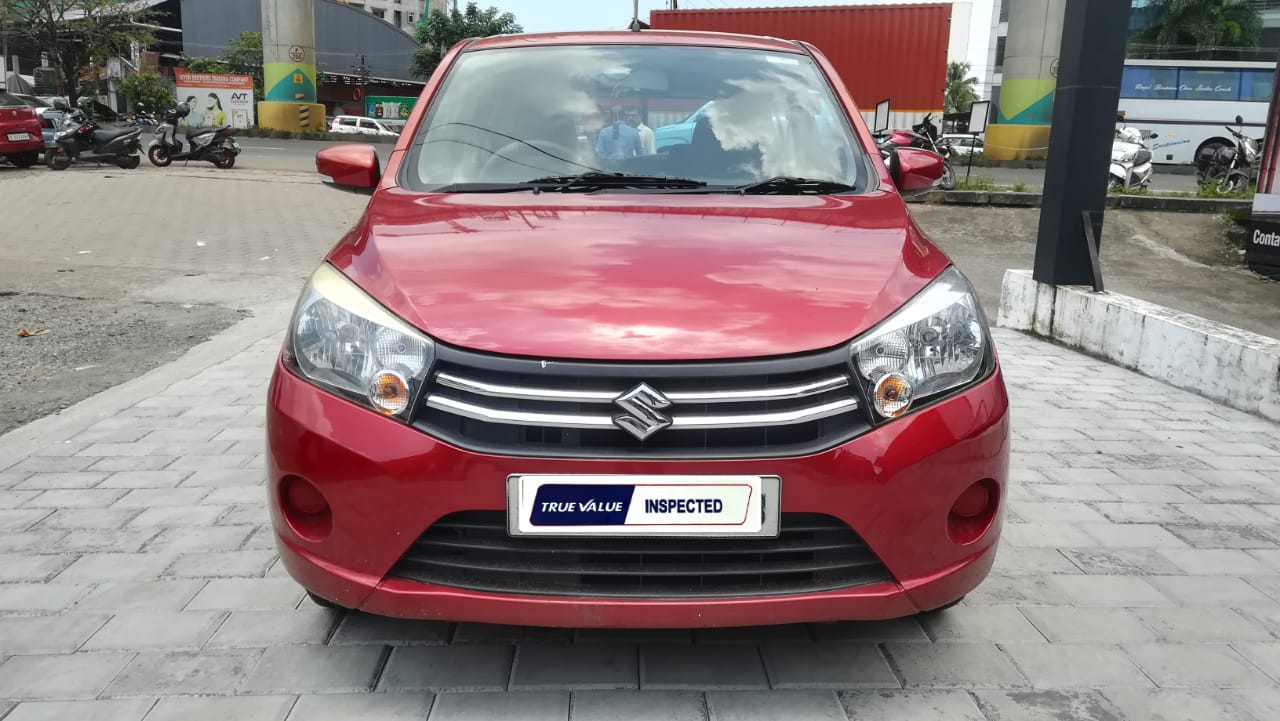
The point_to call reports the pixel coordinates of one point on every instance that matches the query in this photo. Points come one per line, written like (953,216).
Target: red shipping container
(881,51)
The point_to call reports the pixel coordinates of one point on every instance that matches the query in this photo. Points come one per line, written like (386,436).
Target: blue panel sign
(1209,85)
(581,505)
(1149,83)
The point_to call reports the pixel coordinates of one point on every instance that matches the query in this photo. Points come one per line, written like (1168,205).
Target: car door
(368,127)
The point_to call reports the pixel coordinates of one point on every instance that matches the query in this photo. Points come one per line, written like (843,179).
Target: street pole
(1091,63)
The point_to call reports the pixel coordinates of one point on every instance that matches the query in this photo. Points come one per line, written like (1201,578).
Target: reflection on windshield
(723,116)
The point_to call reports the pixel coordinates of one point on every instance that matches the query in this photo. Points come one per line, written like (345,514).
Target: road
(299,156)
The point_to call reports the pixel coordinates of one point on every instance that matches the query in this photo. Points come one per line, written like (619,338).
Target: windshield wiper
(595,180)
(784,185)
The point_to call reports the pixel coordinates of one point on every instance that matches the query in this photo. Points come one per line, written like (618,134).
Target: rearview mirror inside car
(350,166)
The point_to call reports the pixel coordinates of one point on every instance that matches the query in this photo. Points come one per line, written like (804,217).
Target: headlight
(933,344)
(341,339)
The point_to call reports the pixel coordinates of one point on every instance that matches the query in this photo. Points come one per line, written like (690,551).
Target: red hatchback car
(558,374)
(21,139)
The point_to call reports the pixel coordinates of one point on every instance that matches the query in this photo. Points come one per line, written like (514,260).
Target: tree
(79,34)
(1205,25)
(243,56)
(442,30)
(147,89)
(960,93)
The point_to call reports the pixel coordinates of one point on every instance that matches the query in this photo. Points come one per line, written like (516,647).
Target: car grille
(472,550)
(737,409)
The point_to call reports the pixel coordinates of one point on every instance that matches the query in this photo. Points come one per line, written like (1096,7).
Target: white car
(963,144)
(362,126)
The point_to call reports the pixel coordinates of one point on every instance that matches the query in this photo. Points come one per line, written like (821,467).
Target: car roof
(644,37)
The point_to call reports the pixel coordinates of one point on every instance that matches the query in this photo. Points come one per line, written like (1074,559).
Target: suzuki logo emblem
(644,417)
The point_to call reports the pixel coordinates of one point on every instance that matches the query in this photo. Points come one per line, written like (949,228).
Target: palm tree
(1204,25)
(960,93)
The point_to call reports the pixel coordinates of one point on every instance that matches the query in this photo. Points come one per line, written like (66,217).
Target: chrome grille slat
(565,420)
(756,395)
(770,407)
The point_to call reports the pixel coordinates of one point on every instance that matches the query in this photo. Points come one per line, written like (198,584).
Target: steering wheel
(519,161)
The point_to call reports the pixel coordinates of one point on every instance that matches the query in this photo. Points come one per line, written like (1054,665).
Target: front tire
(159,156)
(325,603)
(25,160)
(130,162)
(1235,182)
(56,160)
(948,179)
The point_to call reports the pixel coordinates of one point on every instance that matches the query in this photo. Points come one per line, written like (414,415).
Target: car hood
(638,276)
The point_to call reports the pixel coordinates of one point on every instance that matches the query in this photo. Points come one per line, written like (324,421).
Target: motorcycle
(1131,160)
(1230,166)
(79,138)
(212,144)
(924,134)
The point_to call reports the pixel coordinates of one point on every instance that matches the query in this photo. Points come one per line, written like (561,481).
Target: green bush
(980,181)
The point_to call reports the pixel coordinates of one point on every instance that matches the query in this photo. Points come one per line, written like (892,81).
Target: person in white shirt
(647,143)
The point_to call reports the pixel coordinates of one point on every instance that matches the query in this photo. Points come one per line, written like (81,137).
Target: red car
(21,139)
(556,377)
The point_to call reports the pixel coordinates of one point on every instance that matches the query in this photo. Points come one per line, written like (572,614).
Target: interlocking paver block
(97,540)
(79,518)
(1210,591)
(63,633)
(1049,706)
(253,564)
(21,518)
(952,665)
(910,706)
(116,567)
(175,674)
(679,667)
(774,705)
(243,708)
(363,628)
(523,705)
(469,667)
(182,517)
(497,633)
(1209,625)
(315,669)
(40,597)
(1176,665)
(541,666)
(1215,561)
(25,567)
(1264,655)
(57,677)
(835,664)
(1109,591)
(753,634)
(1171,704)
(996,624)
(363,707)
(199,540)
(148,630)
(1099,561)
(1075,665)
(638,706)
(130,709)
(898,629)
(1089,625)
(248,629)
(118,596)
(257,594)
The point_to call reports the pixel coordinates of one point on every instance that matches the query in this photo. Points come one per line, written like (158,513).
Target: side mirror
(1154,135)
(350,166)
(914,170)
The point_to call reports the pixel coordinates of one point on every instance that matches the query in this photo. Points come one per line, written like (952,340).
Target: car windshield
(510,116)
(11,101)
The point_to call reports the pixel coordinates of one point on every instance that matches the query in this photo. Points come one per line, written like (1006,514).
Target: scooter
(212,144)
(1131,166)
(79,138)
(924,134)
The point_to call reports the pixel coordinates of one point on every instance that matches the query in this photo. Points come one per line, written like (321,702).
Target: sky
(551,15)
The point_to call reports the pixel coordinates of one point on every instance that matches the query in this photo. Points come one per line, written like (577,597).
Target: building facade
(403,14)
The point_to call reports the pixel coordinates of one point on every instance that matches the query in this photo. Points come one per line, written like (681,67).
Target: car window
(349,122)
(10,101)
(621,108)
(368,125)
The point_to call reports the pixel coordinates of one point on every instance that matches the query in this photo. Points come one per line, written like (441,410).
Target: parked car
(544,384)
(357,124)
(963,144)
(20,138)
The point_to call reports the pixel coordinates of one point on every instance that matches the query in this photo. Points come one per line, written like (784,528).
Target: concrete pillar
(289,67)
(1030,75)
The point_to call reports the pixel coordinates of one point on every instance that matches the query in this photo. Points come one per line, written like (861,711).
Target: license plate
(656,505)
(19,136)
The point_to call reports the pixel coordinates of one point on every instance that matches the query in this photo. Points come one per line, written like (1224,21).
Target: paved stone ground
(1139,579)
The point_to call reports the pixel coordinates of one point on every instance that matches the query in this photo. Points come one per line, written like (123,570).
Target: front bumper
(386,483)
